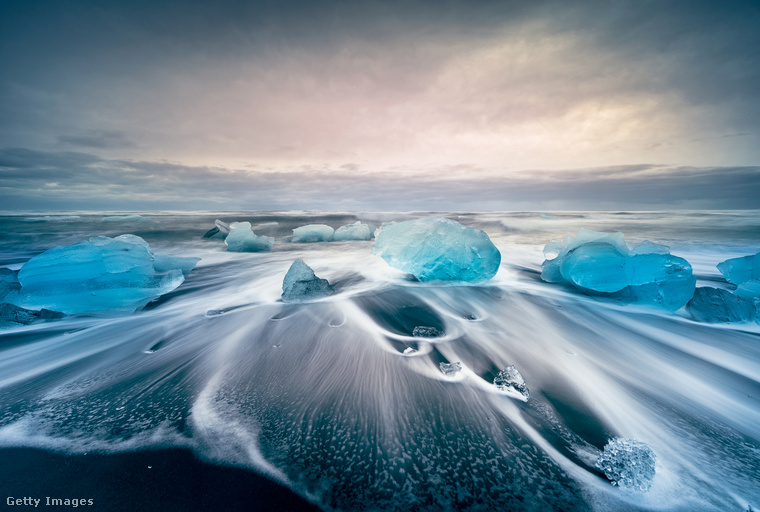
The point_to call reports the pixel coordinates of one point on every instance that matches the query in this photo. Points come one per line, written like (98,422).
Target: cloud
(99,139)
(73,181)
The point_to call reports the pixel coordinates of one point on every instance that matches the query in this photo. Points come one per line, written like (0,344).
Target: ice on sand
(438,249)
(628,463)
(355,231)
(510,381)
(311,233)
(241,238)
(450,369)
(602,263)
(715,305)
(301,284)
(741,270)
(99,275)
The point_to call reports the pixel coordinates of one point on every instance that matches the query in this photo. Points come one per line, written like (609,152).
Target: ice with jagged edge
(745,273)
(301,284)
(311,233)
(601,263)
(628,463)
(98,275)
(510,381)
(450,369)
(426,331)
(438,249)
(355,231)
(241,238)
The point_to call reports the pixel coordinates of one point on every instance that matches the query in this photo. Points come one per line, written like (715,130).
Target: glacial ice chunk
(715,305)
(13,316)
(438,249)
(9,284)
(425,331)
(749,290)
(628,463)
(510,380)
(98,275)
(450,369)
(355,231)
(602,264)
(301,284)
(741,270)
(241,238)
(311,233)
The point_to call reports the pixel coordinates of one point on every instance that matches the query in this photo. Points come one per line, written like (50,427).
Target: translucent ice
(424,331)
(716,305)
(628,463)
(436,248)
(355,231)
(101,274)
(602,264)
(510,380)
(740,270)
(8,283)
(12,315)
(242,239)
(749,290)
(311,233)
(301,284)
(450,369)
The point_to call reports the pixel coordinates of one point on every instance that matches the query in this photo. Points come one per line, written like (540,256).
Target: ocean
(322,404)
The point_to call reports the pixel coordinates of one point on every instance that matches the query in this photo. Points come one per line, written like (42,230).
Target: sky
(379,105)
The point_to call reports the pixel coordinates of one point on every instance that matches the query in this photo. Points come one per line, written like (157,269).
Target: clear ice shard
(628,463)
(311,233)
(438,249)
(301,284)
(99,275)
(510,381)
(241,238)
(600,263)
(741,270)
(355,231)
(715,305)
(450,369)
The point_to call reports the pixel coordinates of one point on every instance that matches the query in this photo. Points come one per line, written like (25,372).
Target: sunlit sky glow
(379,105)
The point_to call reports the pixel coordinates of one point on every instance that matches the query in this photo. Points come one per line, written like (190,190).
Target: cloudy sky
(365,105)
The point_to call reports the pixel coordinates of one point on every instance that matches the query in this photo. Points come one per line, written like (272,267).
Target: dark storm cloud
(35,180)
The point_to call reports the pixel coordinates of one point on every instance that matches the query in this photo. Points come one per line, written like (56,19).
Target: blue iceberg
(241,238)
(355,231)
(311,233)
(600,263)
(301,284)
(741,270)
(628,463)
(99,275)
(14,316)
(715,305)
(438,249)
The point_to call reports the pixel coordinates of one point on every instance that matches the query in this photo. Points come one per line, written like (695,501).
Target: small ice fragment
(355,231)
(628,463)
(424,331)
(211,232)
(409,350)
(450,369)
(438,249)
(740,270)
(510,380)
(243,239)
(301,284)
(311,233)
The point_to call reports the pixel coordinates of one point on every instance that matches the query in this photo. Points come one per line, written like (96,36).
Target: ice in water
(301,284)
(438,249)
(425,331)
(311,233)
(510,380)
(241,238)
(450,369)
(628,463)
(741,270)
(602,263)
(717,305)
(101,274)
(355,231)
